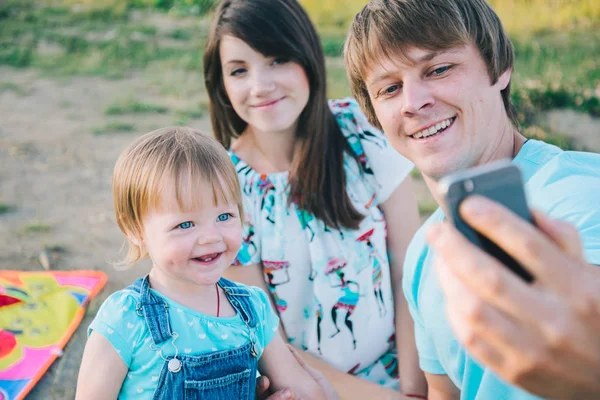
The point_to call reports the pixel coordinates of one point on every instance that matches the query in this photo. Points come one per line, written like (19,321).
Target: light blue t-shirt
(563,184)
(199,334)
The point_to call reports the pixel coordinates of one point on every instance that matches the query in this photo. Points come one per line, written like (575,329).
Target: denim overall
(226,375)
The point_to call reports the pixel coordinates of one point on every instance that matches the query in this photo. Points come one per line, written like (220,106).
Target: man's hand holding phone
(544,337)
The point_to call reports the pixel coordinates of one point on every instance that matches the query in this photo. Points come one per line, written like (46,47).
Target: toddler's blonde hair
(192,160)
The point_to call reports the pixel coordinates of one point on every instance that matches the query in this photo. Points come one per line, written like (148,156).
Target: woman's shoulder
(373,151)
(346,107)
(352,121)
(246,175)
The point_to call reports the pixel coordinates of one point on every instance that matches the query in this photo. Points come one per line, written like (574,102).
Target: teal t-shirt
(199,334)
(563,184)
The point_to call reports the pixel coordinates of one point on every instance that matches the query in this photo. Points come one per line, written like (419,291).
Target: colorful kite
(39,311)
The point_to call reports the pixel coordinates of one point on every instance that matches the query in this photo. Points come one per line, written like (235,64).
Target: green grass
(6,208)
(416,174)
(536,132)
(13,87)
(333,46)
(98,41)
(56,248)
(337,83)
(37,227)
(181,34)
(557,63)
(183,117)
(114,127)
(427,208)
(559,58)
(178,7)
(174,82)
(134,107)
(518,16)
(528,16)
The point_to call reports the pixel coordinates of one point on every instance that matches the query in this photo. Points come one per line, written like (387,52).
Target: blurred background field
(80,79)
(154,48)
(557,43)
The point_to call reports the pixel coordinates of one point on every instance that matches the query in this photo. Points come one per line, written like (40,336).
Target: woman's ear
(504,79)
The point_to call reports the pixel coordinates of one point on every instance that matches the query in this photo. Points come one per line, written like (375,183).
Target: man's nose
(416,96)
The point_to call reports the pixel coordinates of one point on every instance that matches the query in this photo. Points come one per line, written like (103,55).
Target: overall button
(174,365)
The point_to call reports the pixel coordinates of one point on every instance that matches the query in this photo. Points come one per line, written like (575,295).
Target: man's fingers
(518,350)
(485,275)
(520,239)
(565,235)
(490,336)
(473,319)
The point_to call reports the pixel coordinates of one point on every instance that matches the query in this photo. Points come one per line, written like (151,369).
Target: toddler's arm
(284,371)
(102,370)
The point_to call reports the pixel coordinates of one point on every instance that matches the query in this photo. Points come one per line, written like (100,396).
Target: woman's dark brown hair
(281,28)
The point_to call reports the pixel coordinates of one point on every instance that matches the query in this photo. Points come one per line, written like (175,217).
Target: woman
(317,180)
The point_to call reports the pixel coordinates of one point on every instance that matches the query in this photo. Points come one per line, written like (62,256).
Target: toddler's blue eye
(224,217)
(185,225)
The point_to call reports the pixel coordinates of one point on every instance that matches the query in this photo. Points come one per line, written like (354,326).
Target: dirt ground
(55,173)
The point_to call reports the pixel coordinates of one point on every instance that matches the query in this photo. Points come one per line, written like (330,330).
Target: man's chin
(435,172)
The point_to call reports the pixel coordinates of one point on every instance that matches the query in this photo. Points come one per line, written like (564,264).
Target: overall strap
(135,286)
(240,298)
(154,310)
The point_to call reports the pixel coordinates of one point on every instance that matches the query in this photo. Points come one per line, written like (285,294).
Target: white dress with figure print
(331,287)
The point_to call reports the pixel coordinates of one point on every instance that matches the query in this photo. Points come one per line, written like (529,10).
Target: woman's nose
(262,84)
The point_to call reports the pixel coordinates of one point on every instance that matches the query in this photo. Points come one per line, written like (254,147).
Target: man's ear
(504,79)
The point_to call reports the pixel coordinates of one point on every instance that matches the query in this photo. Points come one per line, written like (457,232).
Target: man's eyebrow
(378,78)
(428,56)
(433,54)
(424,58)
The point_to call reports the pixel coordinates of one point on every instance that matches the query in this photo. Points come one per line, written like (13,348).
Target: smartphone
(500,181)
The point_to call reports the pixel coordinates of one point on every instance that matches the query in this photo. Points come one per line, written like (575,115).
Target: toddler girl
(183,331)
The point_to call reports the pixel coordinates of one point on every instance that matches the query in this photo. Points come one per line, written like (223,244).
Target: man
(435,76)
